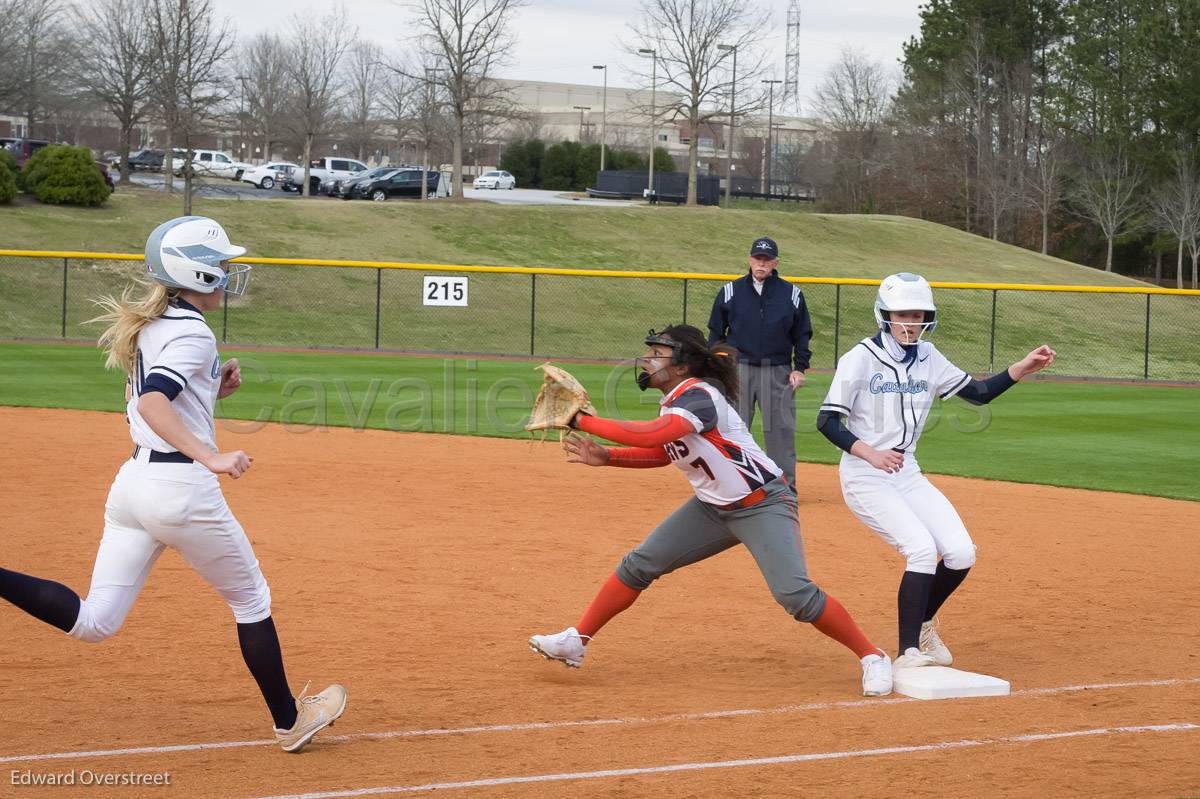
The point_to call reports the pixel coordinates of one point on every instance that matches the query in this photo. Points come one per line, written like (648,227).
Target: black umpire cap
(764,246)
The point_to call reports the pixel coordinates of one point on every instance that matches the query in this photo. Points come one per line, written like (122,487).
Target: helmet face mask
(905,292)
(190,252)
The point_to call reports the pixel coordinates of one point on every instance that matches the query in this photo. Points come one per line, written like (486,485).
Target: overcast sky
(560,40)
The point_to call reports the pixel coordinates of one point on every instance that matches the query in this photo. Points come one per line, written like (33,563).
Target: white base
(942,682)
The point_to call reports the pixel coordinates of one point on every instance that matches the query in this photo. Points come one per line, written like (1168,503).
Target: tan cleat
(313,714)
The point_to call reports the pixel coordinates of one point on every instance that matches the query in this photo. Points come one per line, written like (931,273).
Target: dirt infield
(413,567)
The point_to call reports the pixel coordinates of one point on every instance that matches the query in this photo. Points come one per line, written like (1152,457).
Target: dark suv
(402,183)
(21,149)
(143,159)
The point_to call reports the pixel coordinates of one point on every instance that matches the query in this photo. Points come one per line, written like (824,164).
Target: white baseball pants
(152,506)
(908,512)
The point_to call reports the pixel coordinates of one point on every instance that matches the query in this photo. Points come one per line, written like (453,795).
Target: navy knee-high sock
(49,601)
(260,650)
(945,581)
(911,602)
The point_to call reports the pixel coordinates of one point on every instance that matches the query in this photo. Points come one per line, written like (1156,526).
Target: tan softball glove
(561,397)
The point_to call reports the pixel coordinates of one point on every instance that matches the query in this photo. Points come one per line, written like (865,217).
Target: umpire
(766,319)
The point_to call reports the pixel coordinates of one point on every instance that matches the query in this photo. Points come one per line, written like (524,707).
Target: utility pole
(732,106)
(581,109)
(603,113)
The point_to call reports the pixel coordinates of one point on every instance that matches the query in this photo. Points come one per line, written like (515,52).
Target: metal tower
(790,102)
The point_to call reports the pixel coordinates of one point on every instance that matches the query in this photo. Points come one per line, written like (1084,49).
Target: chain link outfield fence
(1099,332)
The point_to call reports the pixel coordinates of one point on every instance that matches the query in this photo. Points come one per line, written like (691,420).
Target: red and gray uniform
(740,498)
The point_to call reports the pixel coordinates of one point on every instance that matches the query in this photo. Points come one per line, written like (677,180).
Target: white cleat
(566,647)
(932,644)
(877,675)
(913,658)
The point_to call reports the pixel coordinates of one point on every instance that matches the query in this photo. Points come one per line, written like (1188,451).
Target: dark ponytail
(716,365)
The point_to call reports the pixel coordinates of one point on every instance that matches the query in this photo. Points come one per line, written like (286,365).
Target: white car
(496,179)
(209,163)
(267,175)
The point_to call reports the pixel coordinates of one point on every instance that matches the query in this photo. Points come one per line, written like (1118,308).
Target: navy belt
(164,457)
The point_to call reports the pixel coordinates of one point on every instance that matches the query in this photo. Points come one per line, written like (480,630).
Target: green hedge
(63,175)
(568,166)
(8,176)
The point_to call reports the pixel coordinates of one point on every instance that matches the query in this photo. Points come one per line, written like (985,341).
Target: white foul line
(758,761)
(560,725)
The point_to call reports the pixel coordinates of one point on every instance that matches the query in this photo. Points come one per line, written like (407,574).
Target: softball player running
(876,408)
(741,498)
(167,493)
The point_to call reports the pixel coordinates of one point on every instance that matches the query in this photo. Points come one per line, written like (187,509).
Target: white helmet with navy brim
(905,291)
(187,252)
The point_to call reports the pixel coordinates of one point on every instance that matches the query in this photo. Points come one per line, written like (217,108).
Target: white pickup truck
(210,163)
(325,169)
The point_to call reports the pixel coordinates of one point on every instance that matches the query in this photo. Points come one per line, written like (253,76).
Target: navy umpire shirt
(772,327)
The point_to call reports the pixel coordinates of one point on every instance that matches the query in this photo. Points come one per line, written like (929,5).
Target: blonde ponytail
(125,318)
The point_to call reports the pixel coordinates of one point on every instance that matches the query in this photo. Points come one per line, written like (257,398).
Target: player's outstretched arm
(652,433)
(156,410)
(581,449)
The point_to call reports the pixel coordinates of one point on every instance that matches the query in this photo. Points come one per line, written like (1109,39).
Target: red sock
(837,623)
(614,596)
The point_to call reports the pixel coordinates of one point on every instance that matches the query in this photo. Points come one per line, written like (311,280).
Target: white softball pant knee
(150,507)
(911,514)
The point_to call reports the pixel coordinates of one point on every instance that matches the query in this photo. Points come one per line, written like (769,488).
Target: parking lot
(215,187)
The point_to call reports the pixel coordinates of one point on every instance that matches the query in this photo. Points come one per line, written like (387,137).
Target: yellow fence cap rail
(610,273)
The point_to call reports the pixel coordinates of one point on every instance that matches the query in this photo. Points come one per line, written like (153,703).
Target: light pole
(581,109)
(770,111)
(603,112)
(653,80)
(732,93)
(242,112)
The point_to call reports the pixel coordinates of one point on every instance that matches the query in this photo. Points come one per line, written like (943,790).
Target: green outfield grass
(1129,438)
(1096,335)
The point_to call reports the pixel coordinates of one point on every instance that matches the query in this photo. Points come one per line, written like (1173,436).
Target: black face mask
(643,377)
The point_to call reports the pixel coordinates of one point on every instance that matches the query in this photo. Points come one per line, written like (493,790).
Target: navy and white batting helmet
(905,291)
(187,253)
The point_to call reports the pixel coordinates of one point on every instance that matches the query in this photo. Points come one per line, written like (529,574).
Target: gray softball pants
(698,530)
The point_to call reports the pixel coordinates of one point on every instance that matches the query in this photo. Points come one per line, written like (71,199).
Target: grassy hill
(573,316)
(668,238)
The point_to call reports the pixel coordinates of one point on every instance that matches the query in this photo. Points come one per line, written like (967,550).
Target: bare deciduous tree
(10,47)
(42,58)
(398,100)
(190,46)
(114,64)
(1175,209)
(314,58)
(265,80)
(364,81)
(853,100)
(468,39)
(1044,184)
(1107,192)
(684,35)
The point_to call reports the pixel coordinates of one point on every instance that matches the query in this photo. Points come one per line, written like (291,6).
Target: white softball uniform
(721,459)
(886,399)
(160,499)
